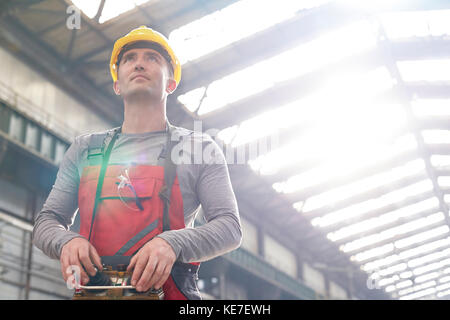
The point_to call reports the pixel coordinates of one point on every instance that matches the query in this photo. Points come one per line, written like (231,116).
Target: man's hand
(152,265)
(81,253)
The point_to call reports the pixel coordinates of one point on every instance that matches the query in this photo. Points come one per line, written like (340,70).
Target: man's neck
(140,118)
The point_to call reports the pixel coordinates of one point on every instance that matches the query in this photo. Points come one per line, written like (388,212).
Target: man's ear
(116,87)
(171,85)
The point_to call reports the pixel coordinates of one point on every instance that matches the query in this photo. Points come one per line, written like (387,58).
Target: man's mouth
(139,76)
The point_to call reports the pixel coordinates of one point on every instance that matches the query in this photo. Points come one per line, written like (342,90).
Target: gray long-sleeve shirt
(204,181)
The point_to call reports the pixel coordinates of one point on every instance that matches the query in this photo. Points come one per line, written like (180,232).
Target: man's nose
(139,65)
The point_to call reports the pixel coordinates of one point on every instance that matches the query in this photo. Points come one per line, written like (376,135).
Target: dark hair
(148,45)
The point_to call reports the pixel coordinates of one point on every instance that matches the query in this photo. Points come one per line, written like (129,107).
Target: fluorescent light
(89,7)
(436,136)
(372,253)
(392,232)
(361,145)
(111,9)
(426,277)
(422,236)
(444,181)
(237,21)
(369,206)
(403,284)
(440,161)
(416,23)
(343,162)
(406,254)
(443,294)
(427,258)
(419,294)
(390,217)
(425,70)
(387,281)
(364,185)
(431,267)
(114,8)
(417,288)
(292,63)
(406,275)
(431,107)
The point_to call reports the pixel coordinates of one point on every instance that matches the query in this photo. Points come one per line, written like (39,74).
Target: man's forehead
(141,50)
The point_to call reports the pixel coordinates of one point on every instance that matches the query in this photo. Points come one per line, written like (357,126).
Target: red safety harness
(119,225)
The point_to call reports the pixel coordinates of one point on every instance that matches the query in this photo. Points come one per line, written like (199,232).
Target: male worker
(134,196)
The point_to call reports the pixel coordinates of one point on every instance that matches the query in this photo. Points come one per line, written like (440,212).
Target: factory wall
(30,92)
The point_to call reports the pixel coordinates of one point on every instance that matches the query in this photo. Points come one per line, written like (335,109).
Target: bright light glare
(392,232)
(425,70)
(372,253)
(436,136)
(421,237)
(410,24)
(390,217)
(89,7)
(237,21)
(344,164)
(363,208)
(440,161)
(336,45)
(406,254)
(111,9)
(413,263)
(431,107)
(336,160)
(363,185)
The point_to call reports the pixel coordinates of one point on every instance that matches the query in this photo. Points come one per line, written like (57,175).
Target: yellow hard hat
(144,34)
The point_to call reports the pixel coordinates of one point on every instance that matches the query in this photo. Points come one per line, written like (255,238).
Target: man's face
(144,71)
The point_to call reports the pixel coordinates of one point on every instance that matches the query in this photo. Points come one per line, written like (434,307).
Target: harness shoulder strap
(96,147)
(170,171)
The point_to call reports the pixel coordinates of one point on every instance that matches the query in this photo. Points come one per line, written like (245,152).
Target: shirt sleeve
(222,231)
(51,227)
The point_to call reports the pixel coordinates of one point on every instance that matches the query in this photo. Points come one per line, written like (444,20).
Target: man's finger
(73,262)
(144,281)
(165,275)
(157,275)
(132,263)
(64,264)
(95,257)
(84,258)
(141,262)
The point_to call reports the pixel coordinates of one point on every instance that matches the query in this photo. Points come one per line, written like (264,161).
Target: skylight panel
(436,136)
(345,158)
(444,181)
(419,294)
(372,253)
(292,63)
(362,208)
(431,107)
(111,9)
(392,232)
(89,7)
(421,237)
(413,263)
(363,185)
(406,254)
(427,277)
(425,70)
(440,161)
(223,27)
(409,24)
